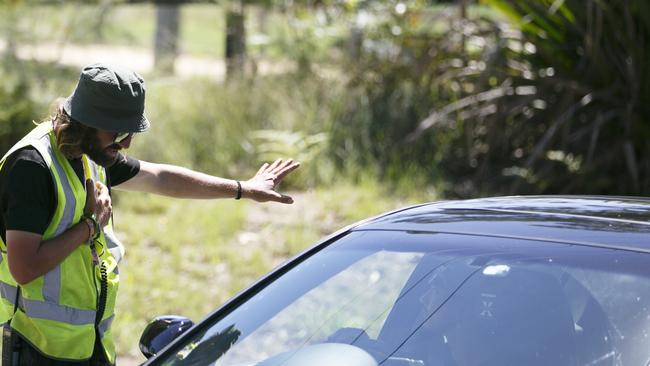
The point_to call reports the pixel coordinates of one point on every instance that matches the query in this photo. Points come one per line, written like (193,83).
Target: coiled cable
(103,288)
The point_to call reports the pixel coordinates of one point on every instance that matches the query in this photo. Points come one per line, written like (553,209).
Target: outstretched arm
(179,182)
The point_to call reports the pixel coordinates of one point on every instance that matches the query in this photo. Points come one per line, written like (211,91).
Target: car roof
(602,221)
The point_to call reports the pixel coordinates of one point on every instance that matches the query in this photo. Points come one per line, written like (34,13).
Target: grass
(179,253)
(187,257)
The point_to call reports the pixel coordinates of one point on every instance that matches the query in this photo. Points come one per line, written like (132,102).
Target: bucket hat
(110,98)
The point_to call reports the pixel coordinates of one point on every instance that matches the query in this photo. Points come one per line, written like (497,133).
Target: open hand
(261,187)
(98,202)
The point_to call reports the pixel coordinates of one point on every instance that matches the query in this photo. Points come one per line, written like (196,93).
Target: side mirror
(162,331)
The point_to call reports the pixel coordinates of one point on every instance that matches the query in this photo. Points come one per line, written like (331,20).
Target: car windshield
(407,298)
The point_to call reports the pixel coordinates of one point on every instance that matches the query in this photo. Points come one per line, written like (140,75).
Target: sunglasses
(121,137)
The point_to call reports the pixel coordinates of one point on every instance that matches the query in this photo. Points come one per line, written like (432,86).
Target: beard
(103,156)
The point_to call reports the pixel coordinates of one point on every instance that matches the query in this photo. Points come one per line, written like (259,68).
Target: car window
(438,299)
(354,298)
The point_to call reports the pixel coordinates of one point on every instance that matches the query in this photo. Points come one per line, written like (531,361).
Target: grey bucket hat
(110,98)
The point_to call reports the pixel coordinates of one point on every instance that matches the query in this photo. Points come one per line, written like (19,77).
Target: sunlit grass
(203,29)
(180,258)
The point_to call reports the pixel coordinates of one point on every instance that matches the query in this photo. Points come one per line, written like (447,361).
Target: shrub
(230,129)
(551,101)
(17,110)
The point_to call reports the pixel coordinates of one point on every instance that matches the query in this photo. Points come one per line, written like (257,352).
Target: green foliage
(304,36)
(571,107)
(553,101)
(307,149)
(26,93)
(218,128)
(273,143)
(16,111)
(408,62)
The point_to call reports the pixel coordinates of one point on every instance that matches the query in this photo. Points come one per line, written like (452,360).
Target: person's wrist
(91,220)
(91,228)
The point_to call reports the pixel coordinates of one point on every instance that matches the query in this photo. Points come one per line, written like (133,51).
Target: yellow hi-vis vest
(56,312)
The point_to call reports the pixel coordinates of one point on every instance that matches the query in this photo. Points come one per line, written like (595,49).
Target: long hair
(71,136)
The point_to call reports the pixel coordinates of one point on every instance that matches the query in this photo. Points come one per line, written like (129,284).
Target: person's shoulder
(26,157)
(125,168)
(25,169)
(126,161)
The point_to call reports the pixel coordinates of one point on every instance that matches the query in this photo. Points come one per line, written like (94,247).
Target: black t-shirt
(27,198)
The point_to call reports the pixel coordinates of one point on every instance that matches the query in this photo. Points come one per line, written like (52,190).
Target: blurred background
(385,103)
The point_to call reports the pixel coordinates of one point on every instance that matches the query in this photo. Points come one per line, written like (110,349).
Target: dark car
(516,281)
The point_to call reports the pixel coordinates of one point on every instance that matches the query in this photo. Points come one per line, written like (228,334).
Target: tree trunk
(463,19)
(103,10)
(235,40)
(166,41)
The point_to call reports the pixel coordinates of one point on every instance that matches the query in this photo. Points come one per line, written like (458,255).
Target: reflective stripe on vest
(105,324)
(48,310)
(52,279)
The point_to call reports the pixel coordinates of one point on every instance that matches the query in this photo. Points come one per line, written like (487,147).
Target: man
(58,270)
